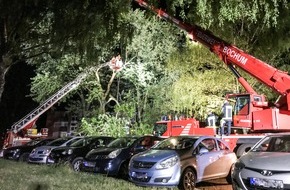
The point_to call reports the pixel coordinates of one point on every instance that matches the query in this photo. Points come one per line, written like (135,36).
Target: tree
(152,43)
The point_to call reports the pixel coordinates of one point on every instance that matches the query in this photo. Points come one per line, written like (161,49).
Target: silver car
(182,161)
(265,166)
(39,155)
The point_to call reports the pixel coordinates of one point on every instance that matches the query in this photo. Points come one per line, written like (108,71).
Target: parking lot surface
(219,184)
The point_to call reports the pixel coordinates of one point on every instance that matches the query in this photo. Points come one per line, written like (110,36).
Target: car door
(208,159)
(225,158)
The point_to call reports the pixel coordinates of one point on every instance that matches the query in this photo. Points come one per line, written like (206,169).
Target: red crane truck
(257,116)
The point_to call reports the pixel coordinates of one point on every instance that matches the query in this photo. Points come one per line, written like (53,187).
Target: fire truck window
(242,105)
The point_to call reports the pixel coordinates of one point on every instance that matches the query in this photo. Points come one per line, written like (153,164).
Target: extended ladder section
(43,107)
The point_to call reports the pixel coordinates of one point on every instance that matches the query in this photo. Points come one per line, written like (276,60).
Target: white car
(40,154)
(265,166)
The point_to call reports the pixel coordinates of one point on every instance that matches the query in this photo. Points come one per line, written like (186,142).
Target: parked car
(182,161)
(21,153)
(265,166)
(39,155)
(113,160)
(75,152)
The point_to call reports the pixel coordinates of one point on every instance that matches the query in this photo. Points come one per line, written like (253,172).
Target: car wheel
(187,180)
(23,157)
(76,164)
(124,170)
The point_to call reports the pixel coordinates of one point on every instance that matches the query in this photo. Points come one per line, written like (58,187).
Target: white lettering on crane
(235,55)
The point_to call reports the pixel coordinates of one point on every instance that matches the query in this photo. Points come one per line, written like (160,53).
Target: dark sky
(16,103)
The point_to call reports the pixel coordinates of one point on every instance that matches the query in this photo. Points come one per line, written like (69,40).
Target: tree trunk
(4,65)
(2,78)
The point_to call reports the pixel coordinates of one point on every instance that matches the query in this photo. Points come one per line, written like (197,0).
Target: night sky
(16,103)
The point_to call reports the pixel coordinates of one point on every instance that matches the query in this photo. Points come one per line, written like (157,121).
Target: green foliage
(162,73)
(141,129)
(153,41)
(104,125)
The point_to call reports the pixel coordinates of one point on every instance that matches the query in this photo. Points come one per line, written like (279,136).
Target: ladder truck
(17,134)
(256,117)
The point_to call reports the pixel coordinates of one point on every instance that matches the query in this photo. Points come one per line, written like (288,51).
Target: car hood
(267,160)
(154,155)
(103,151)
(45,148)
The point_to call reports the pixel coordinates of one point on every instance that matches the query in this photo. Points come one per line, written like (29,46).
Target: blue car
(182,161)
(113,160)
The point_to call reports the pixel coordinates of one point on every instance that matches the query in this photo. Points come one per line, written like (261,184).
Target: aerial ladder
(15,136)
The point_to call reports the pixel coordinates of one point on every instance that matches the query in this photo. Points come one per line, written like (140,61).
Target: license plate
(89,164)
(269,183)
(139,175)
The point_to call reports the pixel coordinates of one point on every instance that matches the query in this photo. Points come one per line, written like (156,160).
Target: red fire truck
(256,117)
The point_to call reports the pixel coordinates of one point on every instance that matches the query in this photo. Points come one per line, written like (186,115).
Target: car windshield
(80,142)
(58,142)
(31,143)
(121,142)
(175,143)
(273,144)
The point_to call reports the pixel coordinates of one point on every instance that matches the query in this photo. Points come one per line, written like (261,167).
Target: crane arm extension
(278,80)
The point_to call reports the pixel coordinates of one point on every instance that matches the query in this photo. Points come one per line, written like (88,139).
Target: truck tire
(242,149)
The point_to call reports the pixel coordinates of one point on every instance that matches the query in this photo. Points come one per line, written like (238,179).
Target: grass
(23,176)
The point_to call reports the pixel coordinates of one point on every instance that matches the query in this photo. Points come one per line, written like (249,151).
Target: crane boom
(252,113)
(276,79)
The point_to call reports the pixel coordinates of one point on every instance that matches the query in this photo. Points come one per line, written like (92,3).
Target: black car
(113,160)
(21,153)
(75,152)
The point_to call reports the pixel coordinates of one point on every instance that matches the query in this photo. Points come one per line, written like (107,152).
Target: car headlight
(67,152)
(46,152)
(15,151)
(33,151)
(239,165)
(169,162)
(114,154)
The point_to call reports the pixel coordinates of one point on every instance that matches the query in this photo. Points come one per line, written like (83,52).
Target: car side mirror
(203,150)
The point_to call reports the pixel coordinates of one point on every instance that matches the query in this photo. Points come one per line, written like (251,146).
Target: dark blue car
(75,152)
(113,159)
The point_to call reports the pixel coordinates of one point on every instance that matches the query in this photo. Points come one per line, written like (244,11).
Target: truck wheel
(76,164)
(187,180)
(243,149)
(23,157)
